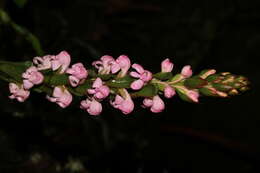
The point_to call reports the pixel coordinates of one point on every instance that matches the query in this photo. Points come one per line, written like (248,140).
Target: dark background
(216,135)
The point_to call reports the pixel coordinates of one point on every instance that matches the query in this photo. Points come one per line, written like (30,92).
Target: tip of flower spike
(225,84)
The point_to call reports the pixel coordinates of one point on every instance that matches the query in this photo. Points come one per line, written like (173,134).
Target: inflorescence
(116,80)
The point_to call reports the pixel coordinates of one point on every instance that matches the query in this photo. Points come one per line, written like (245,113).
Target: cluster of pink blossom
(78,74)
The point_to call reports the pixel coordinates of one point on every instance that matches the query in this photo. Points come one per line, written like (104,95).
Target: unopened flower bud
(169,92)
(167,65)
(186,71)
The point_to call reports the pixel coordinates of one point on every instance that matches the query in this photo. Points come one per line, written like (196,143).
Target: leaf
(176,78)
(124,82)
(206,92)
(212,78)
(58,79)
(43,88)
(195,83)
(181,92)
(222,87)
(81,89)
(14,70)
(106,76)
(149,90)
(20,3)
(163,75)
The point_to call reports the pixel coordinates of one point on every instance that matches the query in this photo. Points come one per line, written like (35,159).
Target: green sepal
(195,83)
(149,90)
(163,75)
(124,82)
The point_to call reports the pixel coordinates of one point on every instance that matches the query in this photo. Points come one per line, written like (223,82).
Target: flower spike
(112,80)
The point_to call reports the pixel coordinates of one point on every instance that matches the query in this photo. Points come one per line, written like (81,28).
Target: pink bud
(147,102)
(123,103)
(18,92)
(99,90)
(43,63)
(156,104)
(169,92)
(61,61)
(124,64)
(166,65)
(92,106)
(186,71)
(193,95)
(61,96)
(32,77)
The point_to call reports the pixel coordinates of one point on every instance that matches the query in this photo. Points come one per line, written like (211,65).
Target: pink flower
(124,63)
(169,92)
(61,96)
(166,65)
(186,71)
(106,64)
(78,74)
(99,90)
(156,104)
(143,76)
(61,61)
(124,102)
(43,63)
(92,106)
(32,77)
(18,92)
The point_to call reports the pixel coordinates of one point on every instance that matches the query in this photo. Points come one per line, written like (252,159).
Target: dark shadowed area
(216,135)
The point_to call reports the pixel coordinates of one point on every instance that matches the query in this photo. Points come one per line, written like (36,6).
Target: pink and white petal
(92,91)
(97,83)
(147,102)
(138,68)
(135,74)
(146,76)
(136,85)
(73,81)
(27,84)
